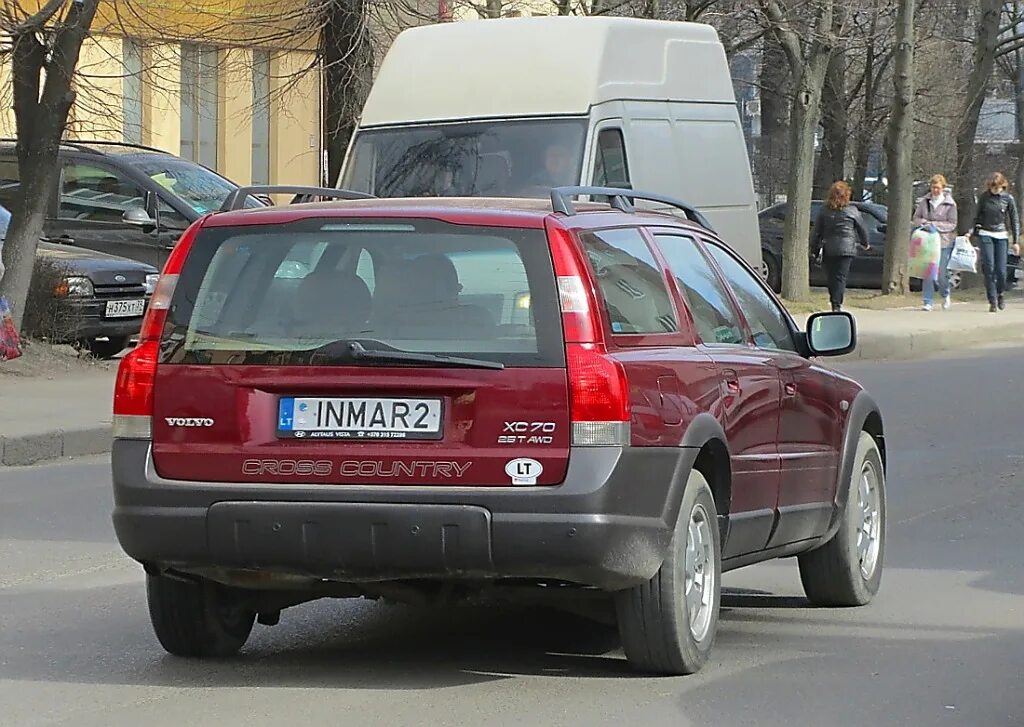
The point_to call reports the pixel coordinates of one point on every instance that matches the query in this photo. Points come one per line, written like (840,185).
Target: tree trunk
(985,43)
(40,118)
(803,123)
(832,159)
(899,152)
(348,68)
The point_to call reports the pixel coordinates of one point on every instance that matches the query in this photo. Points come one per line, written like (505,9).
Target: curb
(918,344)
(34,448)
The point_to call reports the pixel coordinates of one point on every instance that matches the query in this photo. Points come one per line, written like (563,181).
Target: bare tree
(899,151)
(45,45)
(807,40)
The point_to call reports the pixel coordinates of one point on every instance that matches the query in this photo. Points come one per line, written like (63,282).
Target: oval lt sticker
(524,471)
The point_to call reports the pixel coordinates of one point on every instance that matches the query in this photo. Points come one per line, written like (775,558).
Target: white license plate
(358,418)
(125,308)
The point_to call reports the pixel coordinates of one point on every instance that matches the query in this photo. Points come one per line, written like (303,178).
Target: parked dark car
(122,199)
(439,400)
(102,297)
(866,271)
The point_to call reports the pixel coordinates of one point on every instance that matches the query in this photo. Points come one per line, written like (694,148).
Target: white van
(511,108)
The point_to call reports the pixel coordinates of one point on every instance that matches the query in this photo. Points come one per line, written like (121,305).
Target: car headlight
(75,287)
(151,283)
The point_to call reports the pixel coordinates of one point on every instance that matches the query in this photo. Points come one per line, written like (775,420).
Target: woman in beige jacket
(936,212)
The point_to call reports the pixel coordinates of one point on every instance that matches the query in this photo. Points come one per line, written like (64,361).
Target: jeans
(928,286)
(993,266)
(838,268)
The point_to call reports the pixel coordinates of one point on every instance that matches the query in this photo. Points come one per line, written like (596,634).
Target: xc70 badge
(527,433)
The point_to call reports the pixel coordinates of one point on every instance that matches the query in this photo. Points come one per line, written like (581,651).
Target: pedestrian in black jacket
(838,232)
(997,227)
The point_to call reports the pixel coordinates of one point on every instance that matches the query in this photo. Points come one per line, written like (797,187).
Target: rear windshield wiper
(356,351)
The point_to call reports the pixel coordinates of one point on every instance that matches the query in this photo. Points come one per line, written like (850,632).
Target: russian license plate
(358,418)
(125,308)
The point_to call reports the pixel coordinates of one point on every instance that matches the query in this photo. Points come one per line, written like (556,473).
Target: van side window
(631,282)
(610,166)
(713,313)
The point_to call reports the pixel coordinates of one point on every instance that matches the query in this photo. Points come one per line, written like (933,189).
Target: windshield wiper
(356,351)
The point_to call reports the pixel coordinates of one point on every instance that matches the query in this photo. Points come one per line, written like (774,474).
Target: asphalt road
(943,644)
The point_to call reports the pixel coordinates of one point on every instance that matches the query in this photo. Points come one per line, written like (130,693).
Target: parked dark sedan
(866,271)
(101,298)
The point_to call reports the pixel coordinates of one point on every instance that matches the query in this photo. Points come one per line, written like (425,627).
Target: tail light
(599,390)
(133,390)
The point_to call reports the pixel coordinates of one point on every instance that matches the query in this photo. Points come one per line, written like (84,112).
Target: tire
(847,570)
(657,633)
(107,349)
(771,271)
(196,619)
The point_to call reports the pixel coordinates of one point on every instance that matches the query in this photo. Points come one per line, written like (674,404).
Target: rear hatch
(364,351)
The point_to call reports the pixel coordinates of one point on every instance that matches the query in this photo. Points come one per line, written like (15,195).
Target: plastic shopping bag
(925,251)
(964,258)
(10,343)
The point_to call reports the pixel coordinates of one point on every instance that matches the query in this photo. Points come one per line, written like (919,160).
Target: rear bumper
(608,525)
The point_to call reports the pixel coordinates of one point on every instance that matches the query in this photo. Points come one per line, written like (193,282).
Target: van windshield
(479,159)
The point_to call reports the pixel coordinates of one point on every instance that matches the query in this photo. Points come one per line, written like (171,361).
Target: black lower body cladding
(608,525)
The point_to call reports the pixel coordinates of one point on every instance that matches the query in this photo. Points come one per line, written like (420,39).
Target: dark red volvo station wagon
(453,399)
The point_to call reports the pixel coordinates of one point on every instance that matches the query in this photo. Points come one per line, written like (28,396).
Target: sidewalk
(44,418)
(68,413)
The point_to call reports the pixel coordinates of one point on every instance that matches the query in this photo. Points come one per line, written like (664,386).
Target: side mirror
(138,217)
(831,334)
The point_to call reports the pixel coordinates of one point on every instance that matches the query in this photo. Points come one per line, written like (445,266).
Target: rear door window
(300,293)
(717,321)
(631,281)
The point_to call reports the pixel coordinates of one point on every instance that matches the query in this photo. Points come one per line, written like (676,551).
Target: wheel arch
(706,437)
(864,416)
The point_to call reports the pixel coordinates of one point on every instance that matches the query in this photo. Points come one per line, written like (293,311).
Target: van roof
(544,67)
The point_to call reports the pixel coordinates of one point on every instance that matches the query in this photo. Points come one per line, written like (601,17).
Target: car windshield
(316,291)
(480,159)
(196,186)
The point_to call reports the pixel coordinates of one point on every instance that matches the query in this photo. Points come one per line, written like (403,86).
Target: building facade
(250,111)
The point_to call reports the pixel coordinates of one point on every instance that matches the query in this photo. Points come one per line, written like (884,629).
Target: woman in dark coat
(997,228)
(838,232)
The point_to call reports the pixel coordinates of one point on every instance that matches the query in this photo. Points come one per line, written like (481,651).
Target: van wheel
(668,625)
(771,271)
(847,570)
(196,619)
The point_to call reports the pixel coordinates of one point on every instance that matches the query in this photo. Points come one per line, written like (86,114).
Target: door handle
(732,382)
(65,239)
(790,389)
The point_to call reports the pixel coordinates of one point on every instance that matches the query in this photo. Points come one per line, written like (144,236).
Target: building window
(199,104)
(261,117)
(131,51)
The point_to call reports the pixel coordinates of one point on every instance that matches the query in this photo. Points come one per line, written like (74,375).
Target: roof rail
(622,199)
(86,144)
(237,199)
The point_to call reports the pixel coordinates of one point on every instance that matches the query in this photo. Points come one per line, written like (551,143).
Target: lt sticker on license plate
(125,308)
(358,418)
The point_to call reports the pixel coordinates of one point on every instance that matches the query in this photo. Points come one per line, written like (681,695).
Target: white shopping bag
(964,258)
